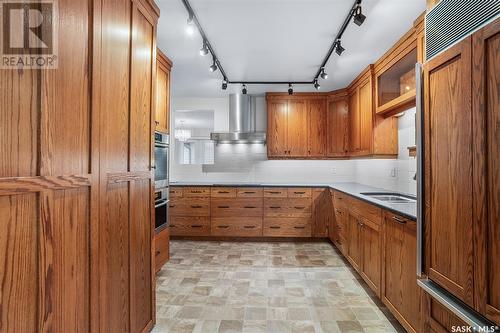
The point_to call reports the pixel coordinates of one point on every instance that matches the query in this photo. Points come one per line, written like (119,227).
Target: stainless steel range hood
(246,121)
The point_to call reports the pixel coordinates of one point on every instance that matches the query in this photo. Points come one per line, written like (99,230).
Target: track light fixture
(358,16)
(204,49)
(316,84)
(190,25)
(244,90)
(213,67)
(323,74)
(339,49)
(224,84)
(290,89)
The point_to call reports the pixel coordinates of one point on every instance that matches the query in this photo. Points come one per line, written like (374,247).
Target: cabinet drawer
(162,240)
(189,226)
(287,207)
(196,192)
(299,192)
(250,192)
(287,227)
(227,207)
(366,210)
(275,192)
(176,192)
(223,192)
(189,207)
(237,226)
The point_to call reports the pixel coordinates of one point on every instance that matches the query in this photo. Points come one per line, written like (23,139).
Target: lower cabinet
(287,227)
(236,226)
(189,225)
(162,240)
(353,230)
(400,292)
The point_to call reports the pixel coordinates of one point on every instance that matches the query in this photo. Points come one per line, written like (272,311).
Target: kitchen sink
(390,197)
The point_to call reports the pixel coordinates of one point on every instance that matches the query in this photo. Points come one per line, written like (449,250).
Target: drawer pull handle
(274,192)
(222,192)
(249,207)
(397,219)
(275,207)
(196,226)
(196,206)
(249,192)
(299,192)
(195,191)
(222,206)
(274,227)
(249,227)
(299,207)
(173,226)
(299,227)
(222,226)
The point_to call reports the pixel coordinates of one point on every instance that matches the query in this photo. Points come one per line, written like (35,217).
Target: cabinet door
(338,133)
(277,128)
(317,143)
(371,247)
(448,170)
(297,126)
(162,98)
(353,241)
(321,212)
(486,108)
(366,118)
(354,122)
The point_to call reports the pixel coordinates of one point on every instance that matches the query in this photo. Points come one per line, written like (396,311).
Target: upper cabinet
(337,124)
(163,67)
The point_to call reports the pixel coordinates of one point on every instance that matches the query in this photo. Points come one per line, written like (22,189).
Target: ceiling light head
(224,84)
(190,25)
(213,67)
(316,84)
(339,49)
(204,49)
(244,90)
(358,16)
(290,89)
(323,74)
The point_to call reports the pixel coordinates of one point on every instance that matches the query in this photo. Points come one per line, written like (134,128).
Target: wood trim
(163,59)
(401,103)
(296,95)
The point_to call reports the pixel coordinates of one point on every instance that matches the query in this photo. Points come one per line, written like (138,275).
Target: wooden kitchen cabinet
(162,242)
(162,113)
(354,247)
(277,128)
(297,128)
(486,166)
(449,167)
(400,292)
(317,129)
(322,212)
(371,253)
(337,124)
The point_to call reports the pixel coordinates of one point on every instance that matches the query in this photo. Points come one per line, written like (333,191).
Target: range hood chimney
(243,121)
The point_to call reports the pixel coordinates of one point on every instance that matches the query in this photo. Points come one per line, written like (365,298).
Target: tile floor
(254,287)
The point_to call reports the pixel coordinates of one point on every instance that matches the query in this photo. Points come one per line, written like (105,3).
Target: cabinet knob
(157,122)
(397,219)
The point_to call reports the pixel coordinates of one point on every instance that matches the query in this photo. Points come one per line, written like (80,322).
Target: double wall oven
(161,180)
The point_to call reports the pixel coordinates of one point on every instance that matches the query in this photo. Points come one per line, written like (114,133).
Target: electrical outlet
(334,171)
(392,173)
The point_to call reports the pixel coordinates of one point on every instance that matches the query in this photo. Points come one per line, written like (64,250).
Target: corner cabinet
(337,124)
(162,113)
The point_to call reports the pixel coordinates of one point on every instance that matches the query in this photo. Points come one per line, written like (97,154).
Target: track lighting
(290,89)
(224,84)
(204,49)
(244,90)
(339,49)
(323,74)
(359,18)
(213,68)
(190,25)
(316,84)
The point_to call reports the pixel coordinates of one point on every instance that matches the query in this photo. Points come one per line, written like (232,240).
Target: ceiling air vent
(452,20)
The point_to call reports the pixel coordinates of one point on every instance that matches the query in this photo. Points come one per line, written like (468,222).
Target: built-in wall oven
(161,180)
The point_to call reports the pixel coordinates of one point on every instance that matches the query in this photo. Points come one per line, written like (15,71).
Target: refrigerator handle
(419,123)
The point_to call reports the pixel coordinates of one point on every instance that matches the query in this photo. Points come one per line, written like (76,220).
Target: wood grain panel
(448,171)
(297,128)
(162,247)
(141,89)
(287,227)
(189,226)
(195,192)
(337,123)
(189,207)
(287,207)
(275,192)
(18,263)
(366,117)
(141,237)
(317,130)
(277,128)
(364,209)
(223,192)
(65,99)
(226,207)
(162,118)
(354,121)
(354,248)
(299,192)
(250,192)
(371,248)
(236,226)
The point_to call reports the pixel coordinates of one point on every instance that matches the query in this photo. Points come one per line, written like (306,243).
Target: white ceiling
(269,40)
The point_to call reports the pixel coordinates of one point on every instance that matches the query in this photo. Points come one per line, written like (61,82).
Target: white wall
(248,163)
